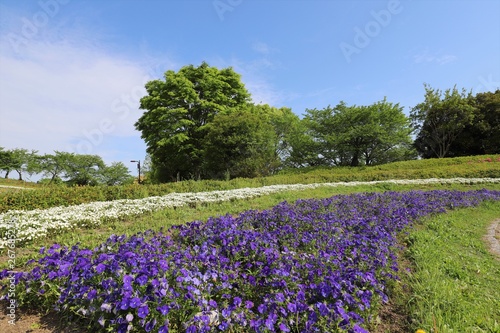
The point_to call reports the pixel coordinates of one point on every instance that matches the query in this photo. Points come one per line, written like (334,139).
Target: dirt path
(16,187)
(493,237)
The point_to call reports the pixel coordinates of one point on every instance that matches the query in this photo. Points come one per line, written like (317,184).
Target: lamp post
(138,169)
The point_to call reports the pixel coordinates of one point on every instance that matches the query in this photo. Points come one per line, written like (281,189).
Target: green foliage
(83,169)
(455,281)
(19,160)
(240,143)
(115,174)
(440,119)
(178,109)
(482,135)
(51,196)
(5,161)
(355,135)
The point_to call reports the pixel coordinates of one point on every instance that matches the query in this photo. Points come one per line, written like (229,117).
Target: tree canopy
(241,143)
(440,119)
(177,112)
(64,167)
(355,135)
(482,134)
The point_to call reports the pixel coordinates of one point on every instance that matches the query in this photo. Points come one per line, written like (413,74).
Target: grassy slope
(50,196)
(432,300)
(455,281)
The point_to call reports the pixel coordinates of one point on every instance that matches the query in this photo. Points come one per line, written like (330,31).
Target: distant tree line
(456,123)
(200,122)
(63,167)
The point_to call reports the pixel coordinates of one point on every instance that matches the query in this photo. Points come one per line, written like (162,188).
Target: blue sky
(72,71)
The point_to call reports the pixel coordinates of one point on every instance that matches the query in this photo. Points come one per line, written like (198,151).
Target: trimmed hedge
(485,166)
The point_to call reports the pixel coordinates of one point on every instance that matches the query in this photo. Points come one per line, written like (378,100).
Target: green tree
(440,119)
(5,161)
(286,128)
(21,160)
(488,124)
(482,135)
(115,174)
(177,112)
(355,135)
(320,125)
(83,169)
(241,143)
(54,165)
(304,148)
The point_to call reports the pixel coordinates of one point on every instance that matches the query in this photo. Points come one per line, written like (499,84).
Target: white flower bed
(38,223)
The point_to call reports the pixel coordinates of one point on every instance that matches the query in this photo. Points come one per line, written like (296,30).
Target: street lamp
(138,169)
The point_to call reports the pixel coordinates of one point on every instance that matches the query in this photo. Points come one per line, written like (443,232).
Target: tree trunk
(355,160)
(7,174)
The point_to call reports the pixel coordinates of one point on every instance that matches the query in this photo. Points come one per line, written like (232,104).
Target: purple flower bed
(311,266)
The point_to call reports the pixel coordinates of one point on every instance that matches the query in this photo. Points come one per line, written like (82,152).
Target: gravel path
(493,237)
(17,187)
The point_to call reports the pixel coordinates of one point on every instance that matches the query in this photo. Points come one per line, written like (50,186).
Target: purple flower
(127,279)
(92,294)
(150,325)
(248,304)
(284,328)
(164,309)
(141,280)
(142,311)
(106,307)
(100,268)
(291,307)
(135,302)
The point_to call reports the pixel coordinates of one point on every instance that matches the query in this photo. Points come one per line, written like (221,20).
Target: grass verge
(454,281)
(91,237)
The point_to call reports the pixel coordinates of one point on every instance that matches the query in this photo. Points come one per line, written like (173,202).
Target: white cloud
(427,57)
(61,96)
(262,48)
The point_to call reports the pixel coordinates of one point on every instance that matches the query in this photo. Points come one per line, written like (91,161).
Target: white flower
(41,222)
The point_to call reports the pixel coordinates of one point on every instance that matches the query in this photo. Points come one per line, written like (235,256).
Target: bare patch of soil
(492,237)
(33,322)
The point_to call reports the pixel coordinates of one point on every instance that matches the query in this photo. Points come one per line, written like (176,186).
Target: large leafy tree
(482,135)
(5,161)
(354,135)
(488,104)
(304,148)
(115,174)
(241,143)
(83,169)
(286,128)
(177,112)
(20,160)
(440,119)
(321,127)
(54,165)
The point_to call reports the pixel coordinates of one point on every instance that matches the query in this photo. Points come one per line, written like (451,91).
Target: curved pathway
(493,237)
(16,187)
